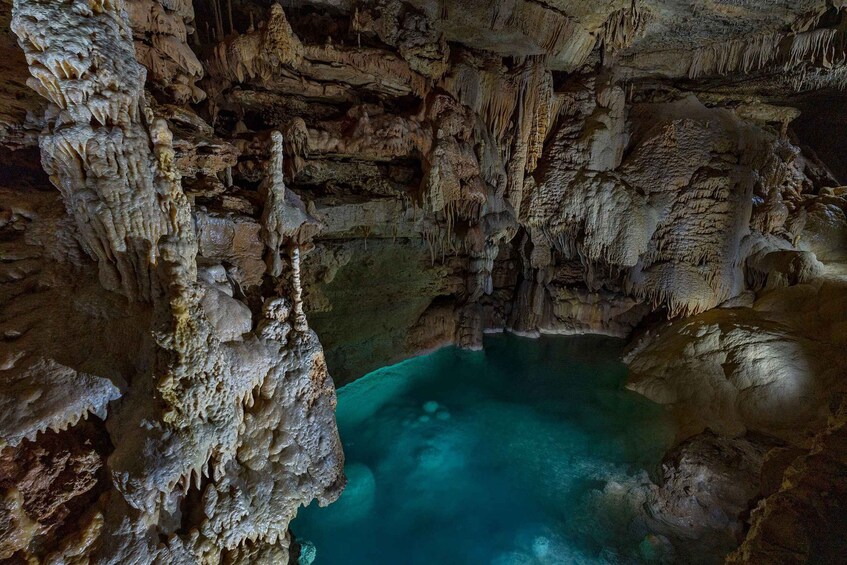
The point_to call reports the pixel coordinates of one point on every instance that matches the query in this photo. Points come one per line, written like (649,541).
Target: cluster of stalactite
(454,168)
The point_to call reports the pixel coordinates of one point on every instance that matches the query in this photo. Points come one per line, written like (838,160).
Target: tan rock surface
(400,176)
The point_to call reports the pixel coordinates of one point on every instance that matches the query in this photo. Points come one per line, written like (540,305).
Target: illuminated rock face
(229,182)
(772,368)
(220,420)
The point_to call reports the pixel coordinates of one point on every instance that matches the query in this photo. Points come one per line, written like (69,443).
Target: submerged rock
(359,496)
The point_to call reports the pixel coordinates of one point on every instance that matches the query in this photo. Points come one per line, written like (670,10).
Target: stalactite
(823,48)
(535,111)
(736,56)
(219,24)
(258,54)
(229,13)
(622,28)
(120,219)
(429,237)
(630,198)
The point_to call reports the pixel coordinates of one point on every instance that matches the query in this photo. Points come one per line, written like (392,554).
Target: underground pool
(509,455)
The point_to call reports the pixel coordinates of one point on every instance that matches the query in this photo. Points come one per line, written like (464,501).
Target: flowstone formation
(189,189)
(214,423)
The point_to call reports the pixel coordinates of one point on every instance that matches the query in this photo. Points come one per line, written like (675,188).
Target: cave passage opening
(529,451)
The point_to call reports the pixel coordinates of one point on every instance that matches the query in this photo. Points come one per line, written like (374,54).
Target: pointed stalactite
(622,28)
(799,52)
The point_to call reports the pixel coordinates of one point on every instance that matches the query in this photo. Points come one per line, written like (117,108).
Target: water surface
(523,453)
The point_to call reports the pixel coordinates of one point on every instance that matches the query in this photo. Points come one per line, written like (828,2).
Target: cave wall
(210,208)
(820,127)
(403,135)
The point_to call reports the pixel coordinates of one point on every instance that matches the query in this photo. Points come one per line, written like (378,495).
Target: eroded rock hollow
(206,208)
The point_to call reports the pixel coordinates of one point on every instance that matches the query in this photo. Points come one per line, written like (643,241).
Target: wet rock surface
(189,189)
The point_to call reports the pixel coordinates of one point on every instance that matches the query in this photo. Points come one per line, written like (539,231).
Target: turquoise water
(528,452)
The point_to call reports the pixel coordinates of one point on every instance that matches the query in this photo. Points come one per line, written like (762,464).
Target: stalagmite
(297,291)
(194,234)
(272,216)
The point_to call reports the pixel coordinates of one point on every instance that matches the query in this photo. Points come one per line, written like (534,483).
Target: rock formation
(193,194)
(221,430)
